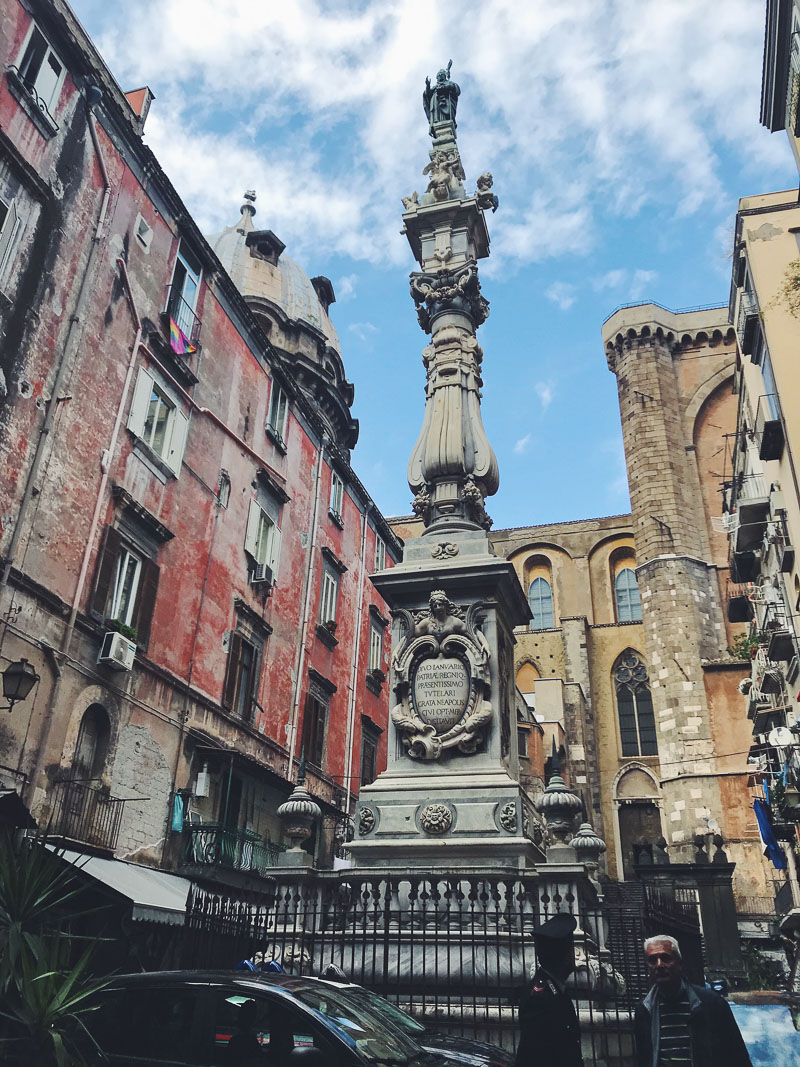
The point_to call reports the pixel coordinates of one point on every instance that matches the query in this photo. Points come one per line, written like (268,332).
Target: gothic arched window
(540,599)
(629,603)
(637,726)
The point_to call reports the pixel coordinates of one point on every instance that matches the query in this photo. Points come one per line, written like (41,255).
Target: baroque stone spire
(452,467)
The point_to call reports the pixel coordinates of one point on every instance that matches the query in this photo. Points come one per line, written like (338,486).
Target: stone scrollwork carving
(442,682)
(366,821)
(436,818)
(444,550)
(507,817)
(459,290)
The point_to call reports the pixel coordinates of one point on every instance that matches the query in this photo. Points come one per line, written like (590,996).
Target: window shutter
(275,552)
(180,426)
(146,601)
(251,538)
(233,670)
(8,233)
(140,402)
(106,568)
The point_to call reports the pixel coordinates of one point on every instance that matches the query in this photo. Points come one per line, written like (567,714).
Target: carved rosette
(507,817)
(441,680)
(366,821)
(436,818)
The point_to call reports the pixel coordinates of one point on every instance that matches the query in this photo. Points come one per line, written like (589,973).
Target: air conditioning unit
(117,652)
(261,573)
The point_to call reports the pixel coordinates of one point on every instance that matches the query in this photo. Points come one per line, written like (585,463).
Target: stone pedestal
(450,795)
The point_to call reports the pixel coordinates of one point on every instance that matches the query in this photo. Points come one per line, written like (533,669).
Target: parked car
(240,1019)
(453,1049)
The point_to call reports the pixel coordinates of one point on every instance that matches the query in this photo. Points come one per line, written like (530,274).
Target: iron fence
(239,850)
(456,952)
(85,813)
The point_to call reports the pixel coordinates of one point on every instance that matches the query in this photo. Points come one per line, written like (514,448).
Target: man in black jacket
(549,1035)
(683,1025)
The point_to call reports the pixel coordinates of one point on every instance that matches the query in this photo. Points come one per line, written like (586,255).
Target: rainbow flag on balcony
(178,341)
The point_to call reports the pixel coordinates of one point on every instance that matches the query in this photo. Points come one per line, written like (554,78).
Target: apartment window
(9,227)
(278,414)
(375,648)
(158,423)
(522,742)
(626,591)
(126,585)
(540,599)
(241,677)
(637,725)
(380,554)
(329,595)
(184,291)
(262,542)
(315,721)
(41,71)
(337,493)
(370,738)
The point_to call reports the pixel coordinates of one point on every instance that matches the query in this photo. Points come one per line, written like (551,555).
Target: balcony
(212,845)
(85,813)
(745,567)
(740,606)
(182,314)
(748,325)
(781,645)
(752,506)
(769,427)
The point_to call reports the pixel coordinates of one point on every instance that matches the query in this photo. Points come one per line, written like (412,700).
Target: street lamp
(18,680)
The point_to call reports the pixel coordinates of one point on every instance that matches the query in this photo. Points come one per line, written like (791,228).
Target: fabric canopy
(156,896)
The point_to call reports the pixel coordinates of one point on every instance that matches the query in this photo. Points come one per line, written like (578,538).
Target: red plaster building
(186,549)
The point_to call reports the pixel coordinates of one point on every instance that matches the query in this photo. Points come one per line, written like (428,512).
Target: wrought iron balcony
(769,427)
(748,324)
(212,845)
(182,314)
(85,813)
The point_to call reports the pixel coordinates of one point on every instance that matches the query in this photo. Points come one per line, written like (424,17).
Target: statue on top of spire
(441,100)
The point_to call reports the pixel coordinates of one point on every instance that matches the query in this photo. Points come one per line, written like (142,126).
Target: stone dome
(258,267)
(293,311)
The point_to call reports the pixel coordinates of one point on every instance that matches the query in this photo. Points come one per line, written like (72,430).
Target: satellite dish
(781,737)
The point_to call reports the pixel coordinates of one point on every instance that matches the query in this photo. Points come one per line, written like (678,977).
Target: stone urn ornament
(300,812)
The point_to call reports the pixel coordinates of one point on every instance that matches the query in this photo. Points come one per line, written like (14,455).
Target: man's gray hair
(670,940)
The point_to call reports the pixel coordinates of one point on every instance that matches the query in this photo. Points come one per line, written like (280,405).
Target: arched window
(92,745)
(637,726)
(629,603)
(540,599)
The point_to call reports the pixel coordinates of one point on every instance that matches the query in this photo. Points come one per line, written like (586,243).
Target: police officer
(549,1035)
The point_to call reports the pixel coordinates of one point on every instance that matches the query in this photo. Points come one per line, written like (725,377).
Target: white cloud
(345,288)
(317,105)
(364,331)
(612,279)
(545,391)
(562,293)
(640,283)
(522,445)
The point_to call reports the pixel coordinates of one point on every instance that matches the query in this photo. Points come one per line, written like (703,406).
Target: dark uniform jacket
(716,1039)
(549,1035)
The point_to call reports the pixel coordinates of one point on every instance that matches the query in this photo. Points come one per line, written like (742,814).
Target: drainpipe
(93,97)
(351,709)
(304,619)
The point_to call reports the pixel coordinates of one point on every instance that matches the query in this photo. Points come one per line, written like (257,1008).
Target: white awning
(156,896)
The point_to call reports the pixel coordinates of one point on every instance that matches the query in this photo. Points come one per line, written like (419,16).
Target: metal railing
(238,850)
(183,314)
(84,812)
(755,905)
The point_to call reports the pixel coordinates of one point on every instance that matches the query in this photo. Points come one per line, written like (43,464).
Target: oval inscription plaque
(441,692)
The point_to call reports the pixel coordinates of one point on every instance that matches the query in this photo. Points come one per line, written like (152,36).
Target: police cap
(559,928)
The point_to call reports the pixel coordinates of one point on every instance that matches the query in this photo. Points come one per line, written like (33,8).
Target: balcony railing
(85,813)
(213,845)
(183,314)
(747,322)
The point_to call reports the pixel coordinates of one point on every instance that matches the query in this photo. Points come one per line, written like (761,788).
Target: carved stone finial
(558,804)
(249,202)
(299,812)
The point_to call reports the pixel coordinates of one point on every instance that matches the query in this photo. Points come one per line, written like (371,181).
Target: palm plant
(44,992)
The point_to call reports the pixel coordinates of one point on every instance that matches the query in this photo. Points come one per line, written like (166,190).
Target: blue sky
(620,134)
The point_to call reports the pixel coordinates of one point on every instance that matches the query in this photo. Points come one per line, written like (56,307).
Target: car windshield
(387,1010)
(378,1043)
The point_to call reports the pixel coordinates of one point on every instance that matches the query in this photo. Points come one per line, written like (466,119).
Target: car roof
(251,979)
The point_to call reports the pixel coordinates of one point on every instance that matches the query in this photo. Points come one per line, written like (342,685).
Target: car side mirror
(308,1056)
